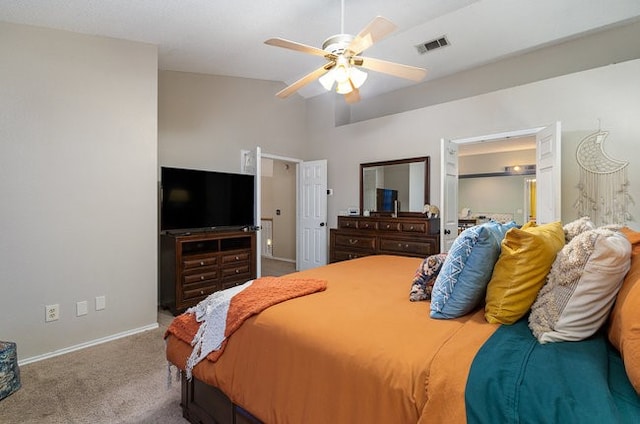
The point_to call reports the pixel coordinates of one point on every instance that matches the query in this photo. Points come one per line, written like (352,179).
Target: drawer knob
(411,228)
(201,263)
(353,241)
(237,258)
(388,226)
(237,271)
(201,291)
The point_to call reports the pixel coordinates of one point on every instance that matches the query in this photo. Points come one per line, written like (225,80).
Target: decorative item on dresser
(358,236)
(195,265)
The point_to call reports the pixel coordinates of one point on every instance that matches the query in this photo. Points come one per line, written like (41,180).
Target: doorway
(278,215)
(310,199)
(548,178)
(494,180)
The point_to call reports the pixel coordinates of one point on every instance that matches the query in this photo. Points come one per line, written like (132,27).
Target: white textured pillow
(576,227)
(581,287)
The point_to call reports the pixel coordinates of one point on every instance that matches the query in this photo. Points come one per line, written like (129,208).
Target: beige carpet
(123,381)
(276,268)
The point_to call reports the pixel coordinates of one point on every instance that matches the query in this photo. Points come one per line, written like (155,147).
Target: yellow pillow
(525,260)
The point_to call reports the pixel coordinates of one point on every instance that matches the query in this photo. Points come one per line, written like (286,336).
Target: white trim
(293,261)
(498,136)
(88,344)
(282,158)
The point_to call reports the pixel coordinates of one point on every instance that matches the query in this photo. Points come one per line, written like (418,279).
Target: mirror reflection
(400,183)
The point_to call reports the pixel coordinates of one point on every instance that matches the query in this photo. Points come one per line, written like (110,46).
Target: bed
(360,352)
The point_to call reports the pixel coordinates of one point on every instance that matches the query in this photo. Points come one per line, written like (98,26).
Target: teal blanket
(515,379)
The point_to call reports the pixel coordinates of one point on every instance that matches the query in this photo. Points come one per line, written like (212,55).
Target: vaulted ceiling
(227,37)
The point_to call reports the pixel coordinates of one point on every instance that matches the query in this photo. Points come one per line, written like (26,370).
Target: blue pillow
(462,282)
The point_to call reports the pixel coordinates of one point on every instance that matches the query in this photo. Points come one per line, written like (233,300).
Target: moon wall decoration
(604,186)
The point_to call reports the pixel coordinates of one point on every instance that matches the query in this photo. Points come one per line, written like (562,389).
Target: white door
(448,194)
(312,214)
(251,164)
(548,178)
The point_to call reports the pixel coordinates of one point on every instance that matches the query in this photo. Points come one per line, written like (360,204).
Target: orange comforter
(359,352)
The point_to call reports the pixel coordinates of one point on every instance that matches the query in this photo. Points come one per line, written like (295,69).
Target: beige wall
(580,101)
(614,45)
(204,121)
(494,162)
(78,175)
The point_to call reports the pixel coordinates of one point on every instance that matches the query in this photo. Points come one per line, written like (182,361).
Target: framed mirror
(404,182)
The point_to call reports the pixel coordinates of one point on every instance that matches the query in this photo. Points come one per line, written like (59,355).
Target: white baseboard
(293,261)
(87,344)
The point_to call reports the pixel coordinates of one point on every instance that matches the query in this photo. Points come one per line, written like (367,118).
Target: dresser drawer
(203,274)
(235,270)
(389,226)
(343,255)
(347,223)
(356,241)
(199,261)
(414,227)
(235,258)
(193,291)
(420,248)
(367,225)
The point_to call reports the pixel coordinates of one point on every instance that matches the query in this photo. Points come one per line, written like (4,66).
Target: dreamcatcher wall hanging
(604,186)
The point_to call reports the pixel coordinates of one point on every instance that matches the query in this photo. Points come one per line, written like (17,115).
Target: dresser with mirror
(391,220)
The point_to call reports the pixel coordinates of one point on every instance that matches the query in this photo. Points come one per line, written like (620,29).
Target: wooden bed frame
(204,404)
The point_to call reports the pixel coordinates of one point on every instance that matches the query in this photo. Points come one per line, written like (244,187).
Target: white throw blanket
(212,314)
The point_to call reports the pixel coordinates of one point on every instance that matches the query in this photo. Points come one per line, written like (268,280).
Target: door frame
(527,132)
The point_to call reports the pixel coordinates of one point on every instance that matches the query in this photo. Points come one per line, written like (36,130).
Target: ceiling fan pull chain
(342,18)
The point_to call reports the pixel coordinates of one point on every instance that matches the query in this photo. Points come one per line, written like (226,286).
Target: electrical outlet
(101,303)
(52,313)
(81,308)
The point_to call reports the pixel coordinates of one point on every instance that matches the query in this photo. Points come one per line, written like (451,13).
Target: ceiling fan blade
(310,77)
(403,71)
(375,31)
(352,97)
(292,45)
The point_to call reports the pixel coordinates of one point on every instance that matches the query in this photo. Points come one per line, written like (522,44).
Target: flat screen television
(195,200)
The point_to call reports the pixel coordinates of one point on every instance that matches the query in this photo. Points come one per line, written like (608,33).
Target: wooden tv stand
(192,266)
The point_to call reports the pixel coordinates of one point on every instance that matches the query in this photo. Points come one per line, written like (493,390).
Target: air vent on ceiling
(432,45)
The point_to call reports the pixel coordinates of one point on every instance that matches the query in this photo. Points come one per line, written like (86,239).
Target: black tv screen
(204,200)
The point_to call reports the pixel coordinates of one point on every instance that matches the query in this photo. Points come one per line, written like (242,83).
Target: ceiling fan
(342,52)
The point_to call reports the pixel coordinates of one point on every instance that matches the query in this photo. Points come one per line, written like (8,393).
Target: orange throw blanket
(262,293)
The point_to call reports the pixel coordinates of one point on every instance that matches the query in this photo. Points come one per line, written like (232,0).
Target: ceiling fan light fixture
(346,77)
(341,71)
(357,77)
(345,87)
(327,80)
